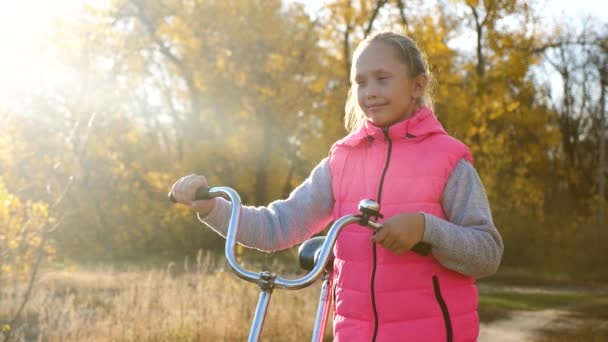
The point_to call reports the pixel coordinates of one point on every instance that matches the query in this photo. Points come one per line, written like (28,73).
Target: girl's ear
(420,84)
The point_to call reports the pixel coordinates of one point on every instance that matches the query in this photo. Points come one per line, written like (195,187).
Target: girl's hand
(401,232)
(184,191)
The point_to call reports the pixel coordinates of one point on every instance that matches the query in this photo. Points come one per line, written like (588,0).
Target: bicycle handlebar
(268,281)
(366,206)
(279,282)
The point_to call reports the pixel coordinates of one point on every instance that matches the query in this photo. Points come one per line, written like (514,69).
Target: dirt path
(521,326)
(532,325)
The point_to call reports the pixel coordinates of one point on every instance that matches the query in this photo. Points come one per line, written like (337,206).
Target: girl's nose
(371,91)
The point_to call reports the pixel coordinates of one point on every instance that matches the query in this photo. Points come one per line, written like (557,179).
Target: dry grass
(208,303)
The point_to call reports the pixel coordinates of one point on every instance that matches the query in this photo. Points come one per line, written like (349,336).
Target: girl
(399,155)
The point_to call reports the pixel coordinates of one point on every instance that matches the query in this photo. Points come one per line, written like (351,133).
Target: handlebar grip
(422,248)
(201,194)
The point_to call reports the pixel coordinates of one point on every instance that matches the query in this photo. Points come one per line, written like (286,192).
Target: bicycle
(314,256)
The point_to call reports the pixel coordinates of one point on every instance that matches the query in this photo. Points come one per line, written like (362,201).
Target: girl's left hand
(401,232)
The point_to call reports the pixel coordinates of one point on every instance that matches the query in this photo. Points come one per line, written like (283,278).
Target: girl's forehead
(375,57)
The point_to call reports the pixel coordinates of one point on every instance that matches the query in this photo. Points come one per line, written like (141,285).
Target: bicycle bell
(370,208)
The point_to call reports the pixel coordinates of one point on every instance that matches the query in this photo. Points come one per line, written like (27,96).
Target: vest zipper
(379,197)
(444,309)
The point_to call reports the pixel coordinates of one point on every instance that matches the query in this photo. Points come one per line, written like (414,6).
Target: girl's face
(385,92)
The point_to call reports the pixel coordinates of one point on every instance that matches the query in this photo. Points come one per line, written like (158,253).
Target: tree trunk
(602,161)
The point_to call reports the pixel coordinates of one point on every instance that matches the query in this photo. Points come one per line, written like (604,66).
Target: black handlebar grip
(201,194)
(422,248)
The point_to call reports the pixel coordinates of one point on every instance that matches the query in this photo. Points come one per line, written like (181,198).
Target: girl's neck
(408,115)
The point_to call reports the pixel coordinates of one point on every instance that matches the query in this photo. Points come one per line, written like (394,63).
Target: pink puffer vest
(380,296)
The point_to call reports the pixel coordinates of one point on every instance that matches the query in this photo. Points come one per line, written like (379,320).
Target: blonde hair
(412,58)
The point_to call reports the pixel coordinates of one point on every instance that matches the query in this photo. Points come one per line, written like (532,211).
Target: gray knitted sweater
(468,242)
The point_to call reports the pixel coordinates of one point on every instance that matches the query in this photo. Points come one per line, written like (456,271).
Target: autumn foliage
(251,94)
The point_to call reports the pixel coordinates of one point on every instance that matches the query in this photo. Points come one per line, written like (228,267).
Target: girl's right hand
(184,191)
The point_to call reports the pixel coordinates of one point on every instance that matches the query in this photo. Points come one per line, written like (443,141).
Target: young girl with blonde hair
(398,154)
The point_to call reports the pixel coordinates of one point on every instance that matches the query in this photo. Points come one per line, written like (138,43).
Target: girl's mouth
(375,107)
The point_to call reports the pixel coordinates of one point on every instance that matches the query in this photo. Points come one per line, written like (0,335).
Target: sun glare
(24,27)
(28,36)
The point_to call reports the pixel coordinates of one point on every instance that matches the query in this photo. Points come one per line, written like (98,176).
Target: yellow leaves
(133,136)
(267,91)
(39,209)
(247,64)
(276,63)
(318,85)
(220,63)
(50,250)
(240,79)
(477,129)
(495,114)
(13,244)
(513,106)
(158,180)
(21,229)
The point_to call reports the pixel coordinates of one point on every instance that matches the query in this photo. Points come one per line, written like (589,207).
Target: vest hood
(421,124)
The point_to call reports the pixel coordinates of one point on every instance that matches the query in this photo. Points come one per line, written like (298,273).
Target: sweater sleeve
(283,223)
(468,242)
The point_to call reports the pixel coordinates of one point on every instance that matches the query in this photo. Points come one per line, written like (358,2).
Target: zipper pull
(385,131)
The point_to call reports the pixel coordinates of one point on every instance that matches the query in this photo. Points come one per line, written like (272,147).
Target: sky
(553,8)
(598,8)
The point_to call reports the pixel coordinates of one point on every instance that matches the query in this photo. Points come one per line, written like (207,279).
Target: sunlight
(25,27)
(28,34)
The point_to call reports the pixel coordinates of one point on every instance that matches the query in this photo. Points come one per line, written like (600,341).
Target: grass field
(206,302)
